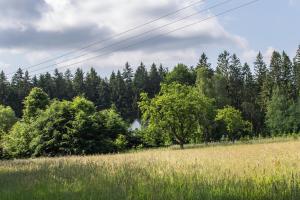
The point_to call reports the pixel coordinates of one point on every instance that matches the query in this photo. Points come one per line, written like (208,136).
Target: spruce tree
(260,72)
(68,77)
(235,81)
(296,71)
(287,77)
(78,83)
(92,82)
(4,89)
(104,101)
(276,69)
(59,85)
(154,81)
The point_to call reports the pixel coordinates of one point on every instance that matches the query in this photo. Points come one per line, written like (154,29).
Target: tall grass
(256,171)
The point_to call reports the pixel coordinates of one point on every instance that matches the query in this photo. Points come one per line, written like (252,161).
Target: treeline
(121,89)
(185,105)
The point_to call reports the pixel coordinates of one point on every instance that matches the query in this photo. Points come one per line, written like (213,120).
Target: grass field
(244,171)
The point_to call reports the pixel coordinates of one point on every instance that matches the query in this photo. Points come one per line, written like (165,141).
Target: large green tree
(234,123)
(34,103)
(179,111)
(181,74)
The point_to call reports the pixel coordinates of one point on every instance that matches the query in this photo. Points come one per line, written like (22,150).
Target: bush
(68,128)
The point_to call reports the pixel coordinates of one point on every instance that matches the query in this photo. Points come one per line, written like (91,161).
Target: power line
(157,36)
(114,36)
(135,36)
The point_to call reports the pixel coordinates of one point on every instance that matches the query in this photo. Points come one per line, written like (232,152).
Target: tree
(119,97)
(203,63)
(287,77)
(235,125)
(4,89)
(78,82)
(263,87)
(248,107)
(154,81)
(20,85)
(260,69)
(36,101)
(223,64)
(221,80)
(179,111)
(67,128)
(69,85)
(60,91)
(181,74)
(278,112)
(141,79)
(204,80)
(104,100)
(296,69)
(7,119)
(127,75)
(235,81)
(46,83)
(92,82)
(276,69)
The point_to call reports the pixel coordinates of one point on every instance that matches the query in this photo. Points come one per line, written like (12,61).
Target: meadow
(266,170)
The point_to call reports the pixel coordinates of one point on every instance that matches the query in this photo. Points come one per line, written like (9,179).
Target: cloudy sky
(32,31)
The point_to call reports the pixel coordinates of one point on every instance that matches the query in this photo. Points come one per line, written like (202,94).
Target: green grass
(266,170)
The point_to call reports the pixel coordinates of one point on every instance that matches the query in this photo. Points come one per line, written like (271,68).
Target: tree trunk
(181,145)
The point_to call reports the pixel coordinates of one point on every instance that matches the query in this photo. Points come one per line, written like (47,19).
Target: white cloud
(67,24)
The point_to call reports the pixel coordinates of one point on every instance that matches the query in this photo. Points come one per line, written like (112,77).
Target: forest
(82,113)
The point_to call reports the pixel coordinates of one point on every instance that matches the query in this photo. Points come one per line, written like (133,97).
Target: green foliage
(67,128)
(7,119)
(178,111)
(283,115)
(235,125)
(16,144)
(34,103)
(181,74)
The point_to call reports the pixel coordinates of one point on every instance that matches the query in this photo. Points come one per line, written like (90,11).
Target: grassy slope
(256,171)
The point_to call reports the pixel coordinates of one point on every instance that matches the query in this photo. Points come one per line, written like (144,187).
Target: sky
(34,31)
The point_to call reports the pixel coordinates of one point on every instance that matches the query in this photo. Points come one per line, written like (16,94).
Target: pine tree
(69,85)
(235,81)
(118,91)
(203,62)
(154,81)
(78,83)
(162,72)
(128,79)
(46,83)
(205,74)
(92,82)
(4,89)
(223,64)
(248,106)
(104,101)
(17,95)
(277,115)
(296,71)
(260,69)
(141,79)
(287,77)
(59,85)
(276,69)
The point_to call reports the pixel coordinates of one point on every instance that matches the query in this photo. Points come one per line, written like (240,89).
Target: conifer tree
(92,81)
(154,81)
(4,89)
(296,71)
(78,83)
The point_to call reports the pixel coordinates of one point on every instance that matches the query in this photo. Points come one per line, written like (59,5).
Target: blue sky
(32,31)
